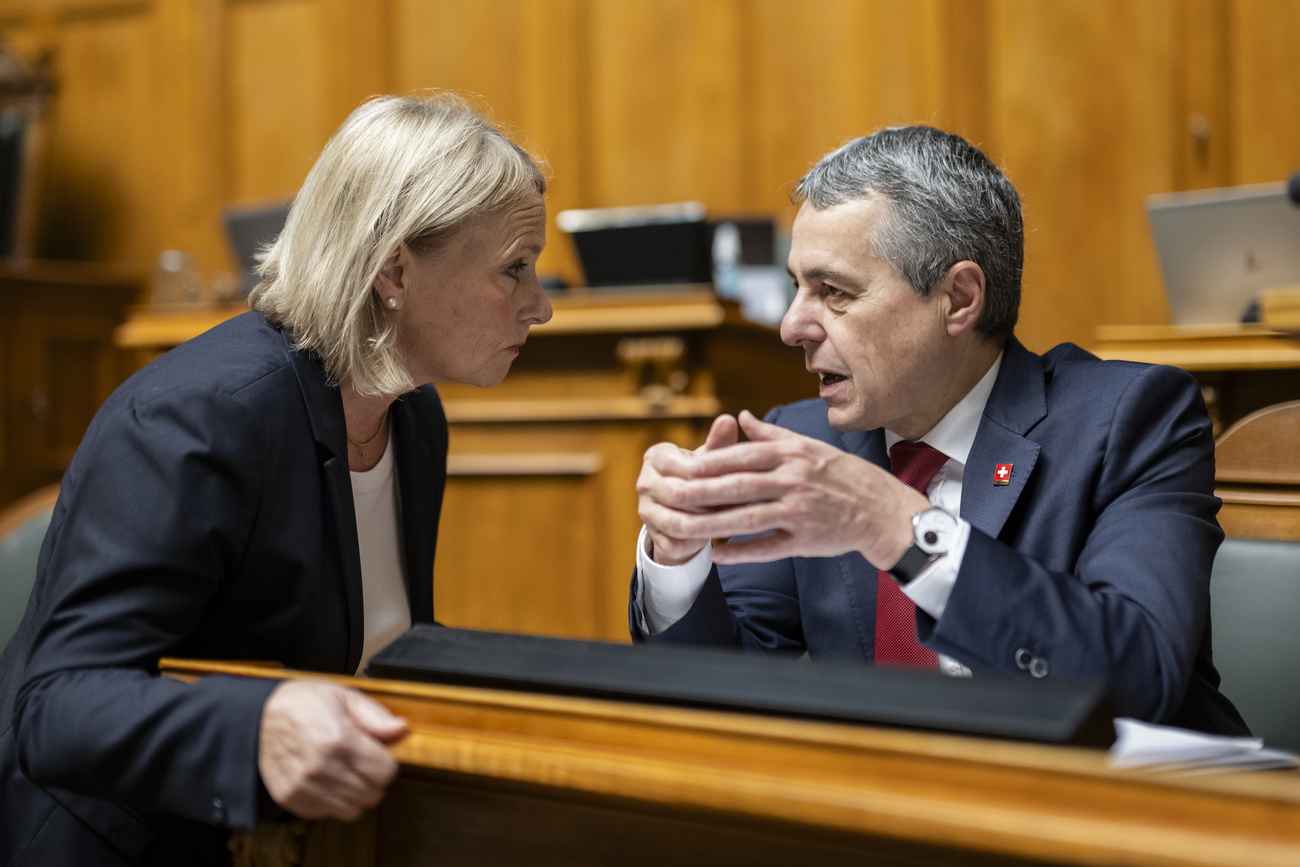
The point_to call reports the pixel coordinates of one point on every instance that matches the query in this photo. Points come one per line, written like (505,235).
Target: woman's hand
(321,750)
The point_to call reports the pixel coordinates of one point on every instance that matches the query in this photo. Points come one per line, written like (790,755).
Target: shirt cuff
(932,587)
(666,593)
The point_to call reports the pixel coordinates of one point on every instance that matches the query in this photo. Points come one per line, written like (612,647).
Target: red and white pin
(1002,475)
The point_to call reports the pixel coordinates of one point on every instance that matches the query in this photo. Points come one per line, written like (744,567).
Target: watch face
(933,531)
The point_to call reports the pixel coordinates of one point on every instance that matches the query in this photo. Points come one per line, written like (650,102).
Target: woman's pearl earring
(392,302)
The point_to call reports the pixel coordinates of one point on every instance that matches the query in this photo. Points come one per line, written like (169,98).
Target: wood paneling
(277,103)
(1085,135)
(522,552)
(851,67)
(57,362)
(169,110)
(100,196)
(665,78)
(1264,94)
(518,61)
(1202,159)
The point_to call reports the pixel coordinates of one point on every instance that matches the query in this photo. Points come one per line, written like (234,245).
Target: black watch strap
(910,565)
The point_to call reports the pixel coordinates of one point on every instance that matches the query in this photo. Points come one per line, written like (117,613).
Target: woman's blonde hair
(400,170)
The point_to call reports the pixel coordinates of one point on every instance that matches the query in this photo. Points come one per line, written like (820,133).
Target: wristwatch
(932,532)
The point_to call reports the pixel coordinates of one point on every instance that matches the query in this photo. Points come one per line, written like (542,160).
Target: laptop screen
(248,228)
(1220,248)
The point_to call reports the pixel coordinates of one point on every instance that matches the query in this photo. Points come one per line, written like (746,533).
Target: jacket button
(1023,659)
(1038,667)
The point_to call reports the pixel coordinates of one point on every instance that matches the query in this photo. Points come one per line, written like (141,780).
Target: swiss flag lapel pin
(1002,475)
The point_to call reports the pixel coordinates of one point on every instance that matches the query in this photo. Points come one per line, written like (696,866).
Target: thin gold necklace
(362,445)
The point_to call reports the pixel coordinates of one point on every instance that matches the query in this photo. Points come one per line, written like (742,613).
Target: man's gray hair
(400,170)
(947,203)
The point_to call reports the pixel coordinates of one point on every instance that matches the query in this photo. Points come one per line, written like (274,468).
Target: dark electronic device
(987,705)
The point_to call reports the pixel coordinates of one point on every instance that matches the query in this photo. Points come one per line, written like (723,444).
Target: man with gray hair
(953,501)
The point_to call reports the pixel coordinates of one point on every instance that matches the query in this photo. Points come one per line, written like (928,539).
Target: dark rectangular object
(645,255)
(987,705)
(641,246)
(250,228)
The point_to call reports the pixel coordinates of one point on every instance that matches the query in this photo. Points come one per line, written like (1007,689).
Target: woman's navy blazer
(208,513)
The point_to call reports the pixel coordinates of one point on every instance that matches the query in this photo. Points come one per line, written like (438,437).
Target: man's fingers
(666,459)
(737,521)
(744,457)
(668,551)
(761,431)
(724,431)
(730,489)
(760,549)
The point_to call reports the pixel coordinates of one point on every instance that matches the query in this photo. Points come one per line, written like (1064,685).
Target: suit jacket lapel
(421,494)
(325,410)
(1017,403)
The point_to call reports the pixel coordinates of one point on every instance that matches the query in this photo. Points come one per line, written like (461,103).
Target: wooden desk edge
(162,327)
(1052,803)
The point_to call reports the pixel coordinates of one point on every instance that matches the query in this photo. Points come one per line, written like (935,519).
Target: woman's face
(463,314)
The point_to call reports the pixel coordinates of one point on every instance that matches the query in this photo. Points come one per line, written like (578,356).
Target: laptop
(1220,248)
(248,229)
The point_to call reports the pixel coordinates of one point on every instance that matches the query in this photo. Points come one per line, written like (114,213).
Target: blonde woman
(269,490)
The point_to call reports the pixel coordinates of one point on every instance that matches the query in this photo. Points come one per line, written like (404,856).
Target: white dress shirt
(666,593)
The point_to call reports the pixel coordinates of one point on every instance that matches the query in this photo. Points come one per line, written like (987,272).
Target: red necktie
(915,465)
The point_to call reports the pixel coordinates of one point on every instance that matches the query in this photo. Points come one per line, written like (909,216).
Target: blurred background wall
(166,111)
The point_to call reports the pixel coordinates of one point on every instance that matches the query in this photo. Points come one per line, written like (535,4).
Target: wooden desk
(491,777)
(1241,368)
(539,521)
(57,361)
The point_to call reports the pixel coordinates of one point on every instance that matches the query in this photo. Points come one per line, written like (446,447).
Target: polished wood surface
(58,362)
(1280,308)
(166,112)
(490,776)
(1257,475)
(1241,368)
(1201,347)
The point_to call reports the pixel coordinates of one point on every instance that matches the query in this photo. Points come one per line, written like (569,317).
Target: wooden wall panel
(1085,135)
(1090,105)
(100,196)
(489,574)
(527,82)
(816,87)
(170,109)
(1265,89)
(1202,158)
(667,103)
(825,75)
(187,184)
(278,111)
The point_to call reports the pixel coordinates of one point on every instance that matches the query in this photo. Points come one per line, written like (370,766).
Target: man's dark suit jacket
(1094,560)
(208,513)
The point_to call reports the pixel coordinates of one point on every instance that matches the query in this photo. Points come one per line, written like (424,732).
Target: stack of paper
(1145,745)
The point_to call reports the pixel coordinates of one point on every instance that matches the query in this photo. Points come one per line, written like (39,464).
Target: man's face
(876,344)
